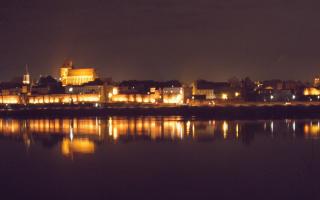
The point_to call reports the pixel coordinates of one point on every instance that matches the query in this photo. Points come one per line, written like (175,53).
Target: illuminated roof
(82,72)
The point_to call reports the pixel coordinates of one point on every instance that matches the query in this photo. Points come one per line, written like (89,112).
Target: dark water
(159,158)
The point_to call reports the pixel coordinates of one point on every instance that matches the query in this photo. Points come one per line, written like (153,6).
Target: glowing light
(64,98)
(79,76)
(225,129)
(115,133)
(83,146)
(312,130)
(115,91)
(188,127)
(9,99)
(237,130)
(311,92)
(71,133)
(224,96)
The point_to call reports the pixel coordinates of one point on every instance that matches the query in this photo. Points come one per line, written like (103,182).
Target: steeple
(26,77)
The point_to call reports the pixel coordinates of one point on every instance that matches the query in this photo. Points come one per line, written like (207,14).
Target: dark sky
(163,39)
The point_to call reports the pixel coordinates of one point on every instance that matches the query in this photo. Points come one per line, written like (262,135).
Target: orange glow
(113,128)
(225,129)
(311,92)
(115,91)
(72,76)
(9,99)
(312,130)
(173,99)
(224,96)
(138,98)
(82,146)
(64,98)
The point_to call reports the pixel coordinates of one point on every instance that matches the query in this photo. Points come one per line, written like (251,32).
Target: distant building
(10,93)
(47,85)
(97,87)
(274,84)
(170,92)
(316,82)
(69,75)
(207,90)
(173,95)
(203,89)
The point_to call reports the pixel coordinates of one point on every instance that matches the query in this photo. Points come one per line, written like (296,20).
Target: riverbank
(248,111)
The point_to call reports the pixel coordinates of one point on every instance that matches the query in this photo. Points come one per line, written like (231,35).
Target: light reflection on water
(82,135)
(159,157)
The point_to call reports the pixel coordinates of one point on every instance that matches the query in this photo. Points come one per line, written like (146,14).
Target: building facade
(69,75)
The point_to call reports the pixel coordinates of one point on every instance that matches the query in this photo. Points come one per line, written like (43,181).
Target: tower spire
(26,76)
(27,70)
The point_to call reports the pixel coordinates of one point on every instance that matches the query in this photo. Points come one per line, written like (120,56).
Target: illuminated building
(69,75)
(95,87)
(10,99)
(170,92)
(47,85)
(64,98)
(173,95)
(134,98)
(10,93)
(203,88)
(166,95)
(311,91)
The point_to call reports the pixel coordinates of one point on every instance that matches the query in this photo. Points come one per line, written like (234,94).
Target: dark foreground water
(159,158)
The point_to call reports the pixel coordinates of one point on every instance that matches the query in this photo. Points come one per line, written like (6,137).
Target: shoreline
(253,111)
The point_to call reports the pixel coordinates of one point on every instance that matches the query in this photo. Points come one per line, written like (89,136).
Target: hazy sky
(163,39)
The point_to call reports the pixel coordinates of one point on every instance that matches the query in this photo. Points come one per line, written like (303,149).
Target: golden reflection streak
(225,129)
(312,130)
(82,146)
(117,128)
(237,130)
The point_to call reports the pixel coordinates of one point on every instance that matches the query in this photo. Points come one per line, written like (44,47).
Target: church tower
(26,77)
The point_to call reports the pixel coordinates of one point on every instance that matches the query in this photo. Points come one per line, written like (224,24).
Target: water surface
(159,158)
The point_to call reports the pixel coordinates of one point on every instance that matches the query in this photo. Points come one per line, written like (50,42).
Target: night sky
(163,39)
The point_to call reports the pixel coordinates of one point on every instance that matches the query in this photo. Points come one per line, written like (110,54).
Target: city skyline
(55,74)
(163,40)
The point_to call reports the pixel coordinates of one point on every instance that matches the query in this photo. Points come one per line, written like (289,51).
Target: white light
(293,97)
(115,91)
(71,133)
(224,96)
(271,97)
(71,89)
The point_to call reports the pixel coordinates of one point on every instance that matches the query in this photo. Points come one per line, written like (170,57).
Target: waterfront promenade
(226,110)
